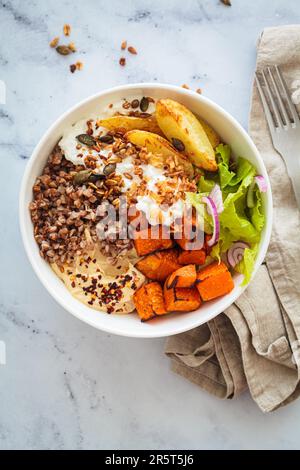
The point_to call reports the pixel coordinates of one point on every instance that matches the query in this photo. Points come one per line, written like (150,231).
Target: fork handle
(293,169)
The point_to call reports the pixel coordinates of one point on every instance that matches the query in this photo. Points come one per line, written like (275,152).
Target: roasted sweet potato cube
(155,294)
(189,236)
(186,244)
(214,281)
(144,244)
(158,266)
(143,304)
(149,301)
(183,277)
(181,299)
(211,270)
(192,257)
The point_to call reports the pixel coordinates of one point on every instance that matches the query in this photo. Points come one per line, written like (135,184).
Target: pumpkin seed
(82,177)
(107,139)
(63,50)
(109,169)
(86,139)
(144,104)
(96,177)
(178,144)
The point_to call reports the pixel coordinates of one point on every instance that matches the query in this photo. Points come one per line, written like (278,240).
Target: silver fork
(283,121)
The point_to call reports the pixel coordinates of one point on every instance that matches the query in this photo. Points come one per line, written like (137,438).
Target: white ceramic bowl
(130,325)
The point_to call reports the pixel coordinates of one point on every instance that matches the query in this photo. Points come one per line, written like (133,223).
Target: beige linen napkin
(256,342)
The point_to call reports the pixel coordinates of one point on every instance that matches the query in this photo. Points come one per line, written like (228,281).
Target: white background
(66,385)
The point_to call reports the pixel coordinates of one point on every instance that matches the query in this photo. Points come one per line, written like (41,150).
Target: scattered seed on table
(63,50)
(54,42)
(132,50)
(67,30)
(72,47)
(79,65)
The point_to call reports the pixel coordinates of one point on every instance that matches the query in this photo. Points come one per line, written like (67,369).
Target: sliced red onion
(235,254)
(261,183)
(212,210)
(216,196)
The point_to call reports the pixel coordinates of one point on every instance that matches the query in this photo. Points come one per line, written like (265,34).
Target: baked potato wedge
(129,123)
(160,148)
(212,135)
(177,122)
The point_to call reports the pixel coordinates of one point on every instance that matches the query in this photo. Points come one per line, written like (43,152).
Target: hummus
(101,285)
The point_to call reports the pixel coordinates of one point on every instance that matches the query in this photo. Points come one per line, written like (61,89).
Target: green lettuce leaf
(234,218)
(256,213)
(195,199)
(225,241)
(237,221)
(244,170)
(205,185)
(223,153)
(246,266)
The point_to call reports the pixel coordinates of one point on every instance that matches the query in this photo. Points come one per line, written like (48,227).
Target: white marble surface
(66,385)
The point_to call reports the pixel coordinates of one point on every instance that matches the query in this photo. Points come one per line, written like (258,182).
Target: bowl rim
(129,87)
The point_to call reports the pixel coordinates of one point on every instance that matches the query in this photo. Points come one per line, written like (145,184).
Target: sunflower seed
(111,182)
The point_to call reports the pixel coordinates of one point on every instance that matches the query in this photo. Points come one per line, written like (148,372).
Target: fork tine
(267,111)
(287,95)
(280,100)
(271,98)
